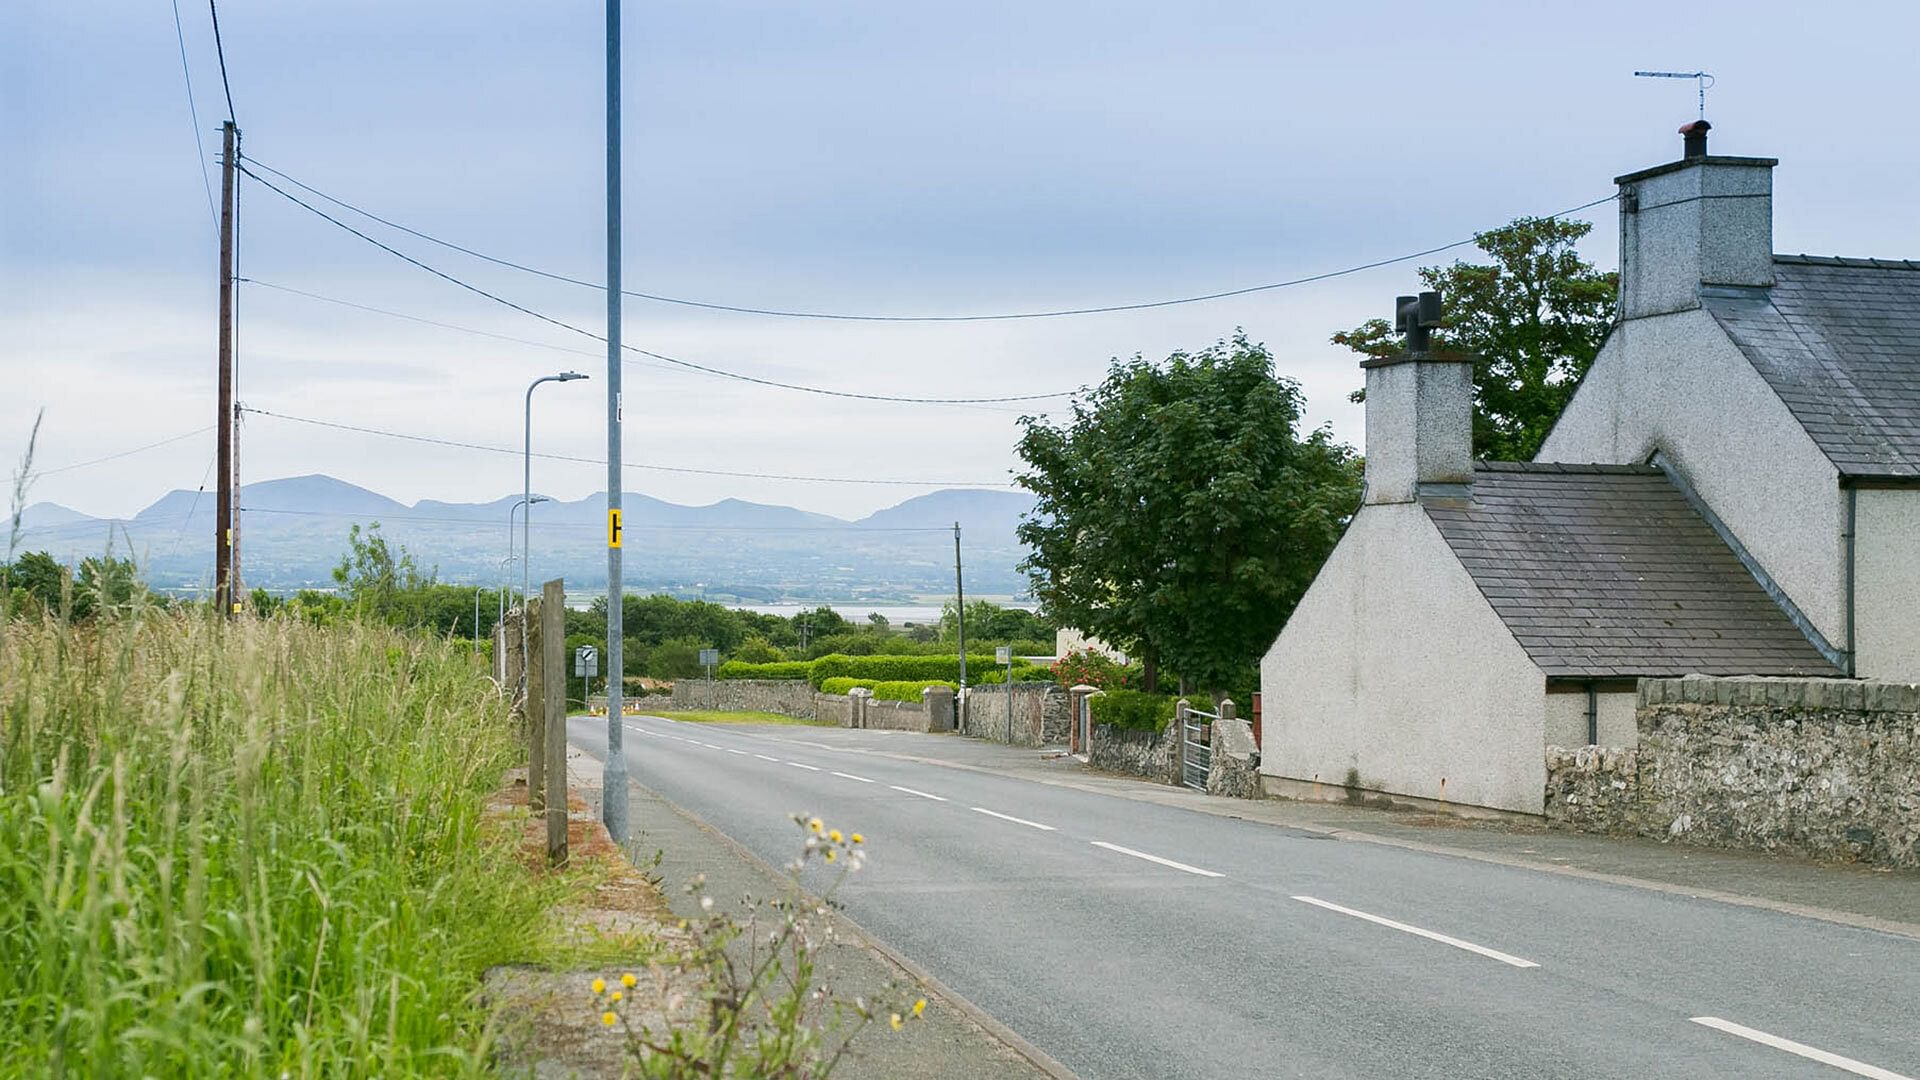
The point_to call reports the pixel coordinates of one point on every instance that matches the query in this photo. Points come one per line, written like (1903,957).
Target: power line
(562,324)
(127,453)
(849,317)
(599,461)
(221,51)
(199,151)
(405,518)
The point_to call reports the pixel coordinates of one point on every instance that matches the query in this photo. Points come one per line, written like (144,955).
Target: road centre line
(711,746)
(801,765)
(1858,1068)
(850,776)
(1491,954)
(1156,859)
(766,757)
(922,794)
(731,750)
(1010,817)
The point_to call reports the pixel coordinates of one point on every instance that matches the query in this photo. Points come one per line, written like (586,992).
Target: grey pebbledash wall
(1828,768)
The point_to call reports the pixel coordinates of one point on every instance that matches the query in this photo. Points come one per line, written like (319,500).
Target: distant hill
(293,531)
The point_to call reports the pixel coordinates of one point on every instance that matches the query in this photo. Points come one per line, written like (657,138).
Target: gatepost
(553,652)
(857,699)
(1080,735)
(1177,752)
(532,624)
(938,702)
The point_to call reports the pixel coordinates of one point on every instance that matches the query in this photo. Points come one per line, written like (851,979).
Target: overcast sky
(865,157)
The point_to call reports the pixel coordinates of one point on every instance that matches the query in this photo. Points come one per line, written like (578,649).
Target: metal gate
(1196,747)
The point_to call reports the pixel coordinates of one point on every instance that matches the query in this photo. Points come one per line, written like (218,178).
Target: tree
(1179,514)
(377,579)
(1533,320)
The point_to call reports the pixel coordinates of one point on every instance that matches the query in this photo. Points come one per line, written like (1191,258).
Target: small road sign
(1003,654)
(613,528)
(708,658)
(586,662)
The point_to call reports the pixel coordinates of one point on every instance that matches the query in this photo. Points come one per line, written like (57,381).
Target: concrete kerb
(1035,1056)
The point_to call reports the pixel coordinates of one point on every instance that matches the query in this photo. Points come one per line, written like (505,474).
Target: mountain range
(294,531)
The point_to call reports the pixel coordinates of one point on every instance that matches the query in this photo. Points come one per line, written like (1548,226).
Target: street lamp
(518,503)
(500,658)
(526,496)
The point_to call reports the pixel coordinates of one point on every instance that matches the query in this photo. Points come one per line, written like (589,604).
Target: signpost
(708,658)
(586,664)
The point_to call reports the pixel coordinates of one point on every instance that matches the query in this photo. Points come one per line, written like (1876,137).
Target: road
(1129,939)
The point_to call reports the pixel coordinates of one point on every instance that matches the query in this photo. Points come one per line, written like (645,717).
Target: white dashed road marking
(850,776)
(1858,1068)
(809,768)
(922,794)
(765,757)
(1156,859)
(1491,954)
(1010,817)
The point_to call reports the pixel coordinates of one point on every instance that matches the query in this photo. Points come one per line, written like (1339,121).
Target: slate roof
(1839,341)
(1606,571)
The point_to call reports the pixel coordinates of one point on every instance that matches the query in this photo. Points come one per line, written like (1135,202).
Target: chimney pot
(1695,135)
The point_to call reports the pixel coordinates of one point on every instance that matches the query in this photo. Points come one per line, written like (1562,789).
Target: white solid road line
(1010,817)
(809,768)
(766,757)
(850,776)
(1491,954)
(1156,859)
(1858,1068)
(922,794)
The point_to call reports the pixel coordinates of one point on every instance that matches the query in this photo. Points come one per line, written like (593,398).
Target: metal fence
(1196,746)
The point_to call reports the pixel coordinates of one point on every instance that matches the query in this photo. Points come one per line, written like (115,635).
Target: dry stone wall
(1828,768)
(781,696)
(1150,755)
(1041,715)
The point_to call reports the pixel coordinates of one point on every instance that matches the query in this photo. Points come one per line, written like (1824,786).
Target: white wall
(1678,384)
(1395,667)
(1887,584)
(1616,712)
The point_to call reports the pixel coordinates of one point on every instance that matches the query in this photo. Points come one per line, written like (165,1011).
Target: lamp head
(569,376)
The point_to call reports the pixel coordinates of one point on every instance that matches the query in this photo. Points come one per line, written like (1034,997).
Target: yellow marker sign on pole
(613,528)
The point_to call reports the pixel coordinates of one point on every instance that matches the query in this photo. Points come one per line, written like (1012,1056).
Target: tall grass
(248,850)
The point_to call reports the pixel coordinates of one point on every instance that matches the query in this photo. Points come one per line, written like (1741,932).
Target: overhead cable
(220,50)
(631,465)
(851,317)
(193,111)
(467,522)
(125,453)
(564,325)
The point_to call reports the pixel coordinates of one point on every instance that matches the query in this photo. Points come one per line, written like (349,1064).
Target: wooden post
(531,625)
(553,681)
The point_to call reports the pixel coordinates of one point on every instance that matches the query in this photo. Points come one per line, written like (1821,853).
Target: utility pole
(960,610)
(223,593)
(613,779)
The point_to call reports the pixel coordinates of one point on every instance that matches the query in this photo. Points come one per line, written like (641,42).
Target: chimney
(1701,222)
(1419,412)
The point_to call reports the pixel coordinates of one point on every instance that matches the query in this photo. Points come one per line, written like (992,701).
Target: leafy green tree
(37,577)
(1180,514)
(756,649)
(376,576)
(1533,320)
(990,623)
(106,584)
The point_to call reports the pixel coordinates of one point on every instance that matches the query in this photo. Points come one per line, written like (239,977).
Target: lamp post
(526,499)
(518,503)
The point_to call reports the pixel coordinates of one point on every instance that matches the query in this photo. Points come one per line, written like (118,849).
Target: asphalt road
(1129,939)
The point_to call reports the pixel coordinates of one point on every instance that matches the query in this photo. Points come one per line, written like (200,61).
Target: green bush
(907,691)
(779,669)
(903,668)
(842,685)
(1133,709)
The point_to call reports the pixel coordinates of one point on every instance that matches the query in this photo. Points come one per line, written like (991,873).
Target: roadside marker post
(1003,655)
(708,658)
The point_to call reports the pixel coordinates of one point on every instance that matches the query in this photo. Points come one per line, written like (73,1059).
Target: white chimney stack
(1419,411)
(1699,222)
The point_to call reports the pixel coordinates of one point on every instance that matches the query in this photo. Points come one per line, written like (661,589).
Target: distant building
(1068,640)
(1733,490)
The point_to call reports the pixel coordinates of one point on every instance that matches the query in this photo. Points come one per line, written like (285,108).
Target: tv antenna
(1701,80)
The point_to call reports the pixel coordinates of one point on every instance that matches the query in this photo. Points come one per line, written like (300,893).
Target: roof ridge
(1580,467)
(1856,262)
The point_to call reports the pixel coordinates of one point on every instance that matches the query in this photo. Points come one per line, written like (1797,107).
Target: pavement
(1125,929)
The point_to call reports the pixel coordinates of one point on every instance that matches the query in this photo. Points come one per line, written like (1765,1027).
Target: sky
(864,157)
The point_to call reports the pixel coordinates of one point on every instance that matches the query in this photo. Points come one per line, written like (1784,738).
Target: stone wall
(1828,768)
(782,696)
(1041,714)
(1150,755)
(896,715)
(837,708)
(1234,770)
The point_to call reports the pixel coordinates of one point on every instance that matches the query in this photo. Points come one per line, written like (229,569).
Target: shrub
(1133,709)
(758,650)
(997,675)
(779,669)
(1096,669)
(842,685)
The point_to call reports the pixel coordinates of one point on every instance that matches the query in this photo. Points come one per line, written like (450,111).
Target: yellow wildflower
(858,839)
(895,1021)
(617,995)
(834,836)
(599,986)
(919,1007)
(628,980)
(608,1019)
(815,825)
(830,854)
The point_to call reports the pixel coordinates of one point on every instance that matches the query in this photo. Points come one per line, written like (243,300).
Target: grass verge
(250,849)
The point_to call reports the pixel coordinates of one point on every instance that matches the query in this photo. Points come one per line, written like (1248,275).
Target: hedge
(777,669)
(890,668)
(896,690)
(1134,709)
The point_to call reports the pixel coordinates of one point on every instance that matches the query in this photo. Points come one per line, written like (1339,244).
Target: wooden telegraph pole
(223,584)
